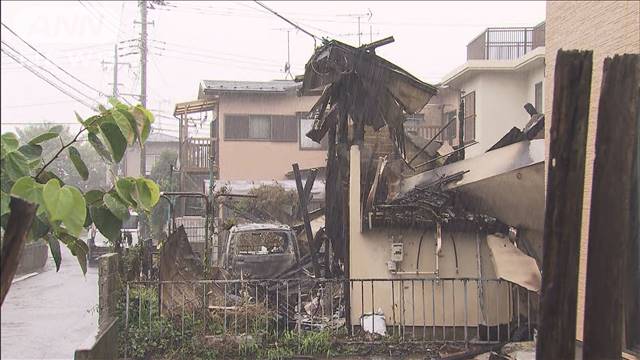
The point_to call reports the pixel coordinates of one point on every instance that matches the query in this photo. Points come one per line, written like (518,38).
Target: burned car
(260,251)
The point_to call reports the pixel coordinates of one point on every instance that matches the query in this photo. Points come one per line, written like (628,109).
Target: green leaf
(74,220)
(94,140)
(142,123)
(26,188)
(54,246)
(126,189)
(148,193)
(116,206)
(43,137)
(80,166)
(78,248)
(87,221)
(16,165)
(39,227)
(117,104)
(31,151)
(56,129)
(102,108)
(4,203)
(116,142)
(107,223)
(48,175)
(94,197)
(8,143)
(65,204)
(121,119)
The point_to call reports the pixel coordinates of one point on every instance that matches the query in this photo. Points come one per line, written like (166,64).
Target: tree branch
(18,225)
(75,139)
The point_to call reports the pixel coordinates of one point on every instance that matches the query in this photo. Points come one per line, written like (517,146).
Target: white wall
(500,99)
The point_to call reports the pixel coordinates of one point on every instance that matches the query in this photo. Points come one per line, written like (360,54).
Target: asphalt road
(48,315)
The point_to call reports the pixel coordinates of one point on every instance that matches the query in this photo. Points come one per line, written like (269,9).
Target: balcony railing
(505,43)
(197,152)
(424,131)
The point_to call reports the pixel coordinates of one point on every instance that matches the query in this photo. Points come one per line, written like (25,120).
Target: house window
(259,127)
(305,126)
(450,131)
(150,161)
(538,97)
(469,101)
(275,128)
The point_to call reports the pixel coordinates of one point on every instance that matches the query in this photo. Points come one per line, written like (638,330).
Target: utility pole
(143,72)
(115,93)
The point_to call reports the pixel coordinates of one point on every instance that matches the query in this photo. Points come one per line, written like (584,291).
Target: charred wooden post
(610,219)
(563,215)
(18,225)
(305,218)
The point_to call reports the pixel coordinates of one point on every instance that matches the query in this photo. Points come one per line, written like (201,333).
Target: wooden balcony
(197,152)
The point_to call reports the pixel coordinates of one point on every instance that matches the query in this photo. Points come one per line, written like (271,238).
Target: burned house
(447,252)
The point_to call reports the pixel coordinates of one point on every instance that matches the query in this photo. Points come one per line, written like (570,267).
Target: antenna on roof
(287,65)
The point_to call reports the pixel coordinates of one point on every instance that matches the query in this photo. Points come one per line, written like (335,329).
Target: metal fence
(504,43)
(465,310)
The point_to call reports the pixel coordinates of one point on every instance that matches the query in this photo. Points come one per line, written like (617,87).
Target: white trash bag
(374,323)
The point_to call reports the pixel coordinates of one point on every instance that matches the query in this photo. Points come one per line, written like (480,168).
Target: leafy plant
(63,210)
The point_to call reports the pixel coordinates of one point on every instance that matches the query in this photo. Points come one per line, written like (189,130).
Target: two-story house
(261,128)
(504,70)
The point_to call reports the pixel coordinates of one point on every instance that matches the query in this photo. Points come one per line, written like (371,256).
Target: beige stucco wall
(414,301)
(607,28)
(263,160)
(370,252)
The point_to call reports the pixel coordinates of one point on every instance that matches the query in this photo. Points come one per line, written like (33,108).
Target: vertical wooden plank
(610,224)
(563,214)
(305,217)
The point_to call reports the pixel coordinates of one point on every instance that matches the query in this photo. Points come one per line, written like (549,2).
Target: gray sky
(192,41)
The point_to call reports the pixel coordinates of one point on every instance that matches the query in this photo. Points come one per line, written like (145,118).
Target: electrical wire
(100,93)
(49,72)
(48,80)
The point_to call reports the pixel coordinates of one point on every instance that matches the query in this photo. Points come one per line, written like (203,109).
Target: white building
(498,79)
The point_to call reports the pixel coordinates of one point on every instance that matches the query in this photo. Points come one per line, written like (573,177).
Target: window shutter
(236,127)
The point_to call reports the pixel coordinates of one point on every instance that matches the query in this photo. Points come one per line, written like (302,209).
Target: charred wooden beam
(376,44)
(305,218)
(563,215)
(610,218)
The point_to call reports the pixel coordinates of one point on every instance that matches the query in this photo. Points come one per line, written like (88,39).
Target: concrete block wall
(109,285)
(607,28)
(34,257)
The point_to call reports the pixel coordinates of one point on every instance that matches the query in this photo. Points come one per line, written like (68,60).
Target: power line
(49,72)
(288,21)
(37,104)
(100,19)
(48,81)
(100,93)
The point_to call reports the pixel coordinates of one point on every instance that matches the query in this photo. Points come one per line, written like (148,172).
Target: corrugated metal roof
(249,86)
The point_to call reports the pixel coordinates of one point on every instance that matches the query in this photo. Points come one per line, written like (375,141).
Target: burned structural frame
(356,83)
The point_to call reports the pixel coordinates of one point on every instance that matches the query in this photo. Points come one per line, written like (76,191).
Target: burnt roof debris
(369,89)
(530,131)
